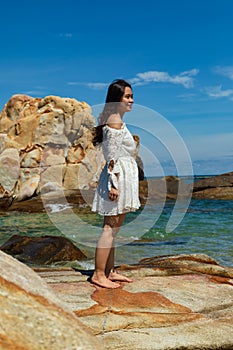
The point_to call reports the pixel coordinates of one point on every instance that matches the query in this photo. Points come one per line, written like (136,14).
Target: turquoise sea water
(207,227)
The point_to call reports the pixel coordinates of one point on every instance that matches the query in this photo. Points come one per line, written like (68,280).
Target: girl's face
(127,100)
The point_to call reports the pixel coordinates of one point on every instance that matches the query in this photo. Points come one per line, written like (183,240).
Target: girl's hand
(113,194)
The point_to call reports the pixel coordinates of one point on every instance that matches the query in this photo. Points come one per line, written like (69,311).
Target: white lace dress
(118,147)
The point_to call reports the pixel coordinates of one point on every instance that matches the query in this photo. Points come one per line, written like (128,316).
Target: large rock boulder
(46,146)
(43,144)
(33,317)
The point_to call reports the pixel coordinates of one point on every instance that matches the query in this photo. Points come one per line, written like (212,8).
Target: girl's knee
(109,230)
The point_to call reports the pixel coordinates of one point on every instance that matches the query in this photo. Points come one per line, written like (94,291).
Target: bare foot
(104,282)
(114,276)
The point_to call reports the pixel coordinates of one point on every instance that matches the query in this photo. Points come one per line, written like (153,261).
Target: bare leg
(110,262)
(110,272)
(116,223)
(104,274)
(103,251)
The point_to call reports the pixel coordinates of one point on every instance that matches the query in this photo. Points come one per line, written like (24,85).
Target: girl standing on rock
(117,191)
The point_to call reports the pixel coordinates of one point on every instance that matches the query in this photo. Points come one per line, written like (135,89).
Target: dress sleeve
(112,149)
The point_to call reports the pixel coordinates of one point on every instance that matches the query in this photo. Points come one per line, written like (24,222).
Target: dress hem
(115,214)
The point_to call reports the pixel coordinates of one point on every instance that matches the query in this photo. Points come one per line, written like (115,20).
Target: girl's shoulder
(114,127)
(114,121)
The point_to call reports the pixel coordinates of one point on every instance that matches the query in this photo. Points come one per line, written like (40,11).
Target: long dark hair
(114,94)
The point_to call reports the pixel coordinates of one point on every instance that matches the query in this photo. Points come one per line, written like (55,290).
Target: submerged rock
(42,250)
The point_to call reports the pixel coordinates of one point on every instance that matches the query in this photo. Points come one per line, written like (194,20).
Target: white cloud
(218,92)
(35,93)
(184,78)
(187,96)
(97,86)
(226,71)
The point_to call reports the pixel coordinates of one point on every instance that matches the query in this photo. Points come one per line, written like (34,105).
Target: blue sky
(178,55)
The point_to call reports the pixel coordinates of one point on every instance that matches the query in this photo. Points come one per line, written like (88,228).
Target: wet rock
(150,190)
(42,250)
(45,202)
(33,317)
(164,188)
(5,201)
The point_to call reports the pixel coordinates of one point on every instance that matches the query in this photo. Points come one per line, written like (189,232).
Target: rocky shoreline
(216,187)
(175,302)
(46,152)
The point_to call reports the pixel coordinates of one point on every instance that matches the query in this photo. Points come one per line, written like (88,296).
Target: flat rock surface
(180,302)
(32,317)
